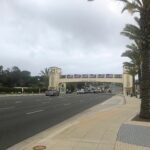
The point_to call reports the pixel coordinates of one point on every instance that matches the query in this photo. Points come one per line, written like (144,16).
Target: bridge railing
(70,76)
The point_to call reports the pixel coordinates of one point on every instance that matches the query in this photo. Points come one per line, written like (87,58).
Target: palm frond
(127,53)
(132,7)
(45,72)
(132,69)
(128,64)
(133,47)
(132,32)
(130,36)
(137,20)
(132,28)
(139,3)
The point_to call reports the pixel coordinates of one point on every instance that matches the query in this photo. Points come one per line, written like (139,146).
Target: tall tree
(15,76)
(133,32)
(143,8)
(45,72)
(25,78)
(1,75)
(45,76)
(133,53)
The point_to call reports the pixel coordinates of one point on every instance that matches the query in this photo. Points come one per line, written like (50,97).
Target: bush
(9,90)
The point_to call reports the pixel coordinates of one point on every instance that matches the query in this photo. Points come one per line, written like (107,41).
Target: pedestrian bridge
(110,78)
(57,80)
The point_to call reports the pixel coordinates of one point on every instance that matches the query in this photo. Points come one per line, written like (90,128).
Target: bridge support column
(127,81)
(54,78)
(62,88)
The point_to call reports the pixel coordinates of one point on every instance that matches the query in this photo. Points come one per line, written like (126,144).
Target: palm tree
(45,76)
(132,32)
(45,72)
(1,70)
(143,8)
(133,53)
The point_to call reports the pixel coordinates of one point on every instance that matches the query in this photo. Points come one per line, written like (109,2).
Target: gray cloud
(74,34)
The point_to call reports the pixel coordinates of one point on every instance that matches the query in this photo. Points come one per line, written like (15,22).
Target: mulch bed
(137,118)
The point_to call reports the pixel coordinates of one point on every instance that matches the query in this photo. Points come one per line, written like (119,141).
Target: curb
(9,95)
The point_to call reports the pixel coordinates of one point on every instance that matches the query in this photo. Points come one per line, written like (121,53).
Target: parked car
(69,92)
(81,91)
(52,93)
(96,91)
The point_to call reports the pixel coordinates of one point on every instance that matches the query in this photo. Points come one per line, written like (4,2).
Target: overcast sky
(75,35)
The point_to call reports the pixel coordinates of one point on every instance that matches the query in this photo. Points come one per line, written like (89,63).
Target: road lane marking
(39,100)
(6,108)
(33,112)
(45,102)
(67,104)
(17,102)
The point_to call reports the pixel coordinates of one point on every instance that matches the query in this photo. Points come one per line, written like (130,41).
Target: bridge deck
(112,80)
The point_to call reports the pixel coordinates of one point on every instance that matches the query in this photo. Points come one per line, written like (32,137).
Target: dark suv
(52,93)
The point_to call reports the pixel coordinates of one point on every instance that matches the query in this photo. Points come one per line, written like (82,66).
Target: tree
(25,78)
(45,72)
(1,69)
(142,7)
(133,53)
(15,76)
(45,76)
(1,75)
(133,32)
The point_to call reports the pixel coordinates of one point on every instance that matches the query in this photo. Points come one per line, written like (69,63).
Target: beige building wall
(54,77)
(127,81)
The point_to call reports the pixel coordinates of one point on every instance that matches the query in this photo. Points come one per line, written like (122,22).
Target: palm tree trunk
(133,87)
(145,28)
(140,80)
(145,89)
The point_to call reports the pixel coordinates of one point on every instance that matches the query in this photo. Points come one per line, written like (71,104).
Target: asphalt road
(24,116)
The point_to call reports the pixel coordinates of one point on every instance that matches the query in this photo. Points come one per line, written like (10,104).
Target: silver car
(52,93)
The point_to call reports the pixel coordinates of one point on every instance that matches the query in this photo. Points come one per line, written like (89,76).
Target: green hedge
(8,90)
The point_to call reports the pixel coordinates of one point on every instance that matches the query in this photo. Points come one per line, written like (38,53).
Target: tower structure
(127,81)
(54,77)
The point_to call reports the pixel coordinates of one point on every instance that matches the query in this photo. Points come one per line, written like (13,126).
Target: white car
(81,91)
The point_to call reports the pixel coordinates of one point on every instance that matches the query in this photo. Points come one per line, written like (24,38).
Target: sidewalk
(95,129)
(133,135)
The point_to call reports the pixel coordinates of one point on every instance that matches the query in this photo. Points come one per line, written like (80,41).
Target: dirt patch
(137,118)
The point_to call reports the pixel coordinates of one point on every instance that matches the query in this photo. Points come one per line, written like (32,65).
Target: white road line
(67,104)
(33,112)
(39,100)
(46,102)
(5,108)
(17,102)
